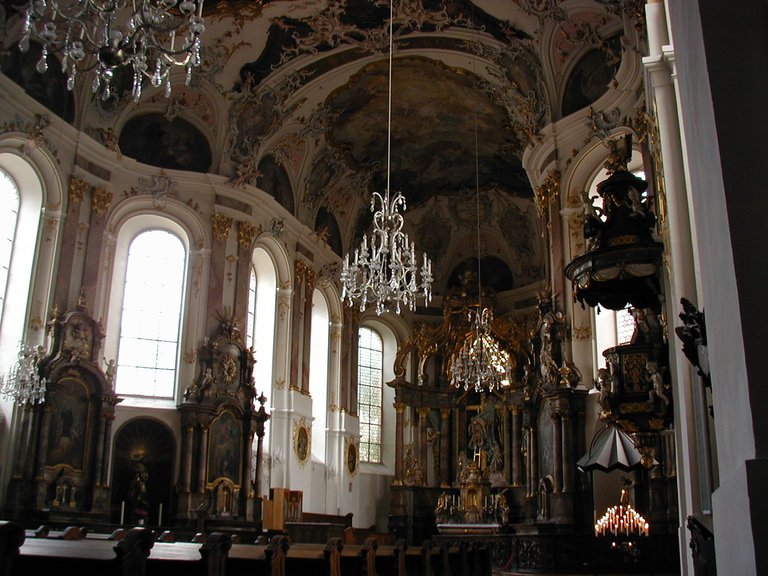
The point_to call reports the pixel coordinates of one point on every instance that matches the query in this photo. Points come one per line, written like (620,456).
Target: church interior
(485,274)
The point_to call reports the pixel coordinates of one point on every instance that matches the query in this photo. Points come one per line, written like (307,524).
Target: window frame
(365,445)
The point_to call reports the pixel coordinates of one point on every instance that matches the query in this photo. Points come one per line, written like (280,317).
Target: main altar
(498,468)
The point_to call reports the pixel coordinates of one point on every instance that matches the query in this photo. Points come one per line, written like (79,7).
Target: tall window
(370,353)
(9,213)
(251,320)
(150,325)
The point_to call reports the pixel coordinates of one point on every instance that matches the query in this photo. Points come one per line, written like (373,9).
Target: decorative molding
(302,440)
(547,192)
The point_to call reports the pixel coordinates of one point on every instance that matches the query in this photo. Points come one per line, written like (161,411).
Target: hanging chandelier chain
(480,363)
(386,269)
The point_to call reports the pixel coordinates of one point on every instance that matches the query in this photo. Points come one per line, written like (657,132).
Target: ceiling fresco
(292,99)
(437,116)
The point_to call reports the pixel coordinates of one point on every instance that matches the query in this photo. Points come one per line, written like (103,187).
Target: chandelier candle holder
(481,363)
(386,270)
(150,36)
(23,383)
(622,521)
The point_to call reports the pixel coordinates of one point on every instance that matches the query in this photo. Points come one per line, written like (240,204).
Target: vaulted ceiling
(292,99)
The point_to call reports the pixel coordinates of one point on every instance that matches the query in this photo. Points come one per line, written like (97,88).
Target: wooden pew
(11,539)
(190,558)
(418,560)
(390,559)
(53,555)
(360,559)
(257,559)
(322,559)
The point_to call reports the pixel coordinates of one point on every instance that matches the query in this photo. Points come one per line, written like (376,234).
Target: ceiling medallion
(385,270)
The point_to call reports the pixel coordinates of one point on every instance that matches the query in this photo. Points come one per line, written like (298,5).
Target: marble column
(516,461)
(557,452)
(399,442)
(567,435)
(507,446)
(534,461)
(100,447)
(423,448)
(187,442)
(309,288)
(203,456)
(445,445)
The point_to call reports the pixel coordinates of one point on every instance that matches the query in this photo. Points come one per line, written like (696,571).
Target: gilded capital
(101,200)
(77,188)
(246,233)
(220,224)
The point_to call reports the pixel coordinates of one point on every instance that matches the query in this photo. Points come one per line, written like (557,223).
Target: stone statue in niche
(138,495)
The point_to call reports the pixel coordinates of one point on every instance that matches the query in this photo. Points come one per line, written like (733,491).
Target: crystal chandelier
(386,270)
(481,363)
(150,36)
(23,383)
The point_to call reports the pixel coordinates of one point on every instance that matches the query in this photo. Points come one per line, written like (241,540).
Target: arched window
(9,214)
(251,319)
(260,337)
(151,316)
(260,334)
(370,351)
(318,373)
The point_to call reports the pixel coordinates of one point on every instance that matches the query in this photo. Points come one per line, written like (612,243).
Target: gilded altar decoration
(351,457)
(547,192)
(301,440)
(220,413)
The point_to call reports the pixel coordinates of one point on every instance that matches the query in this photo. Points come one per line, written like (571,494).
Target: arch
(151,442)
(128,219)
(38,185)
(152,300)
(174,143)
(264,310)
(280,259)
(391,329)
